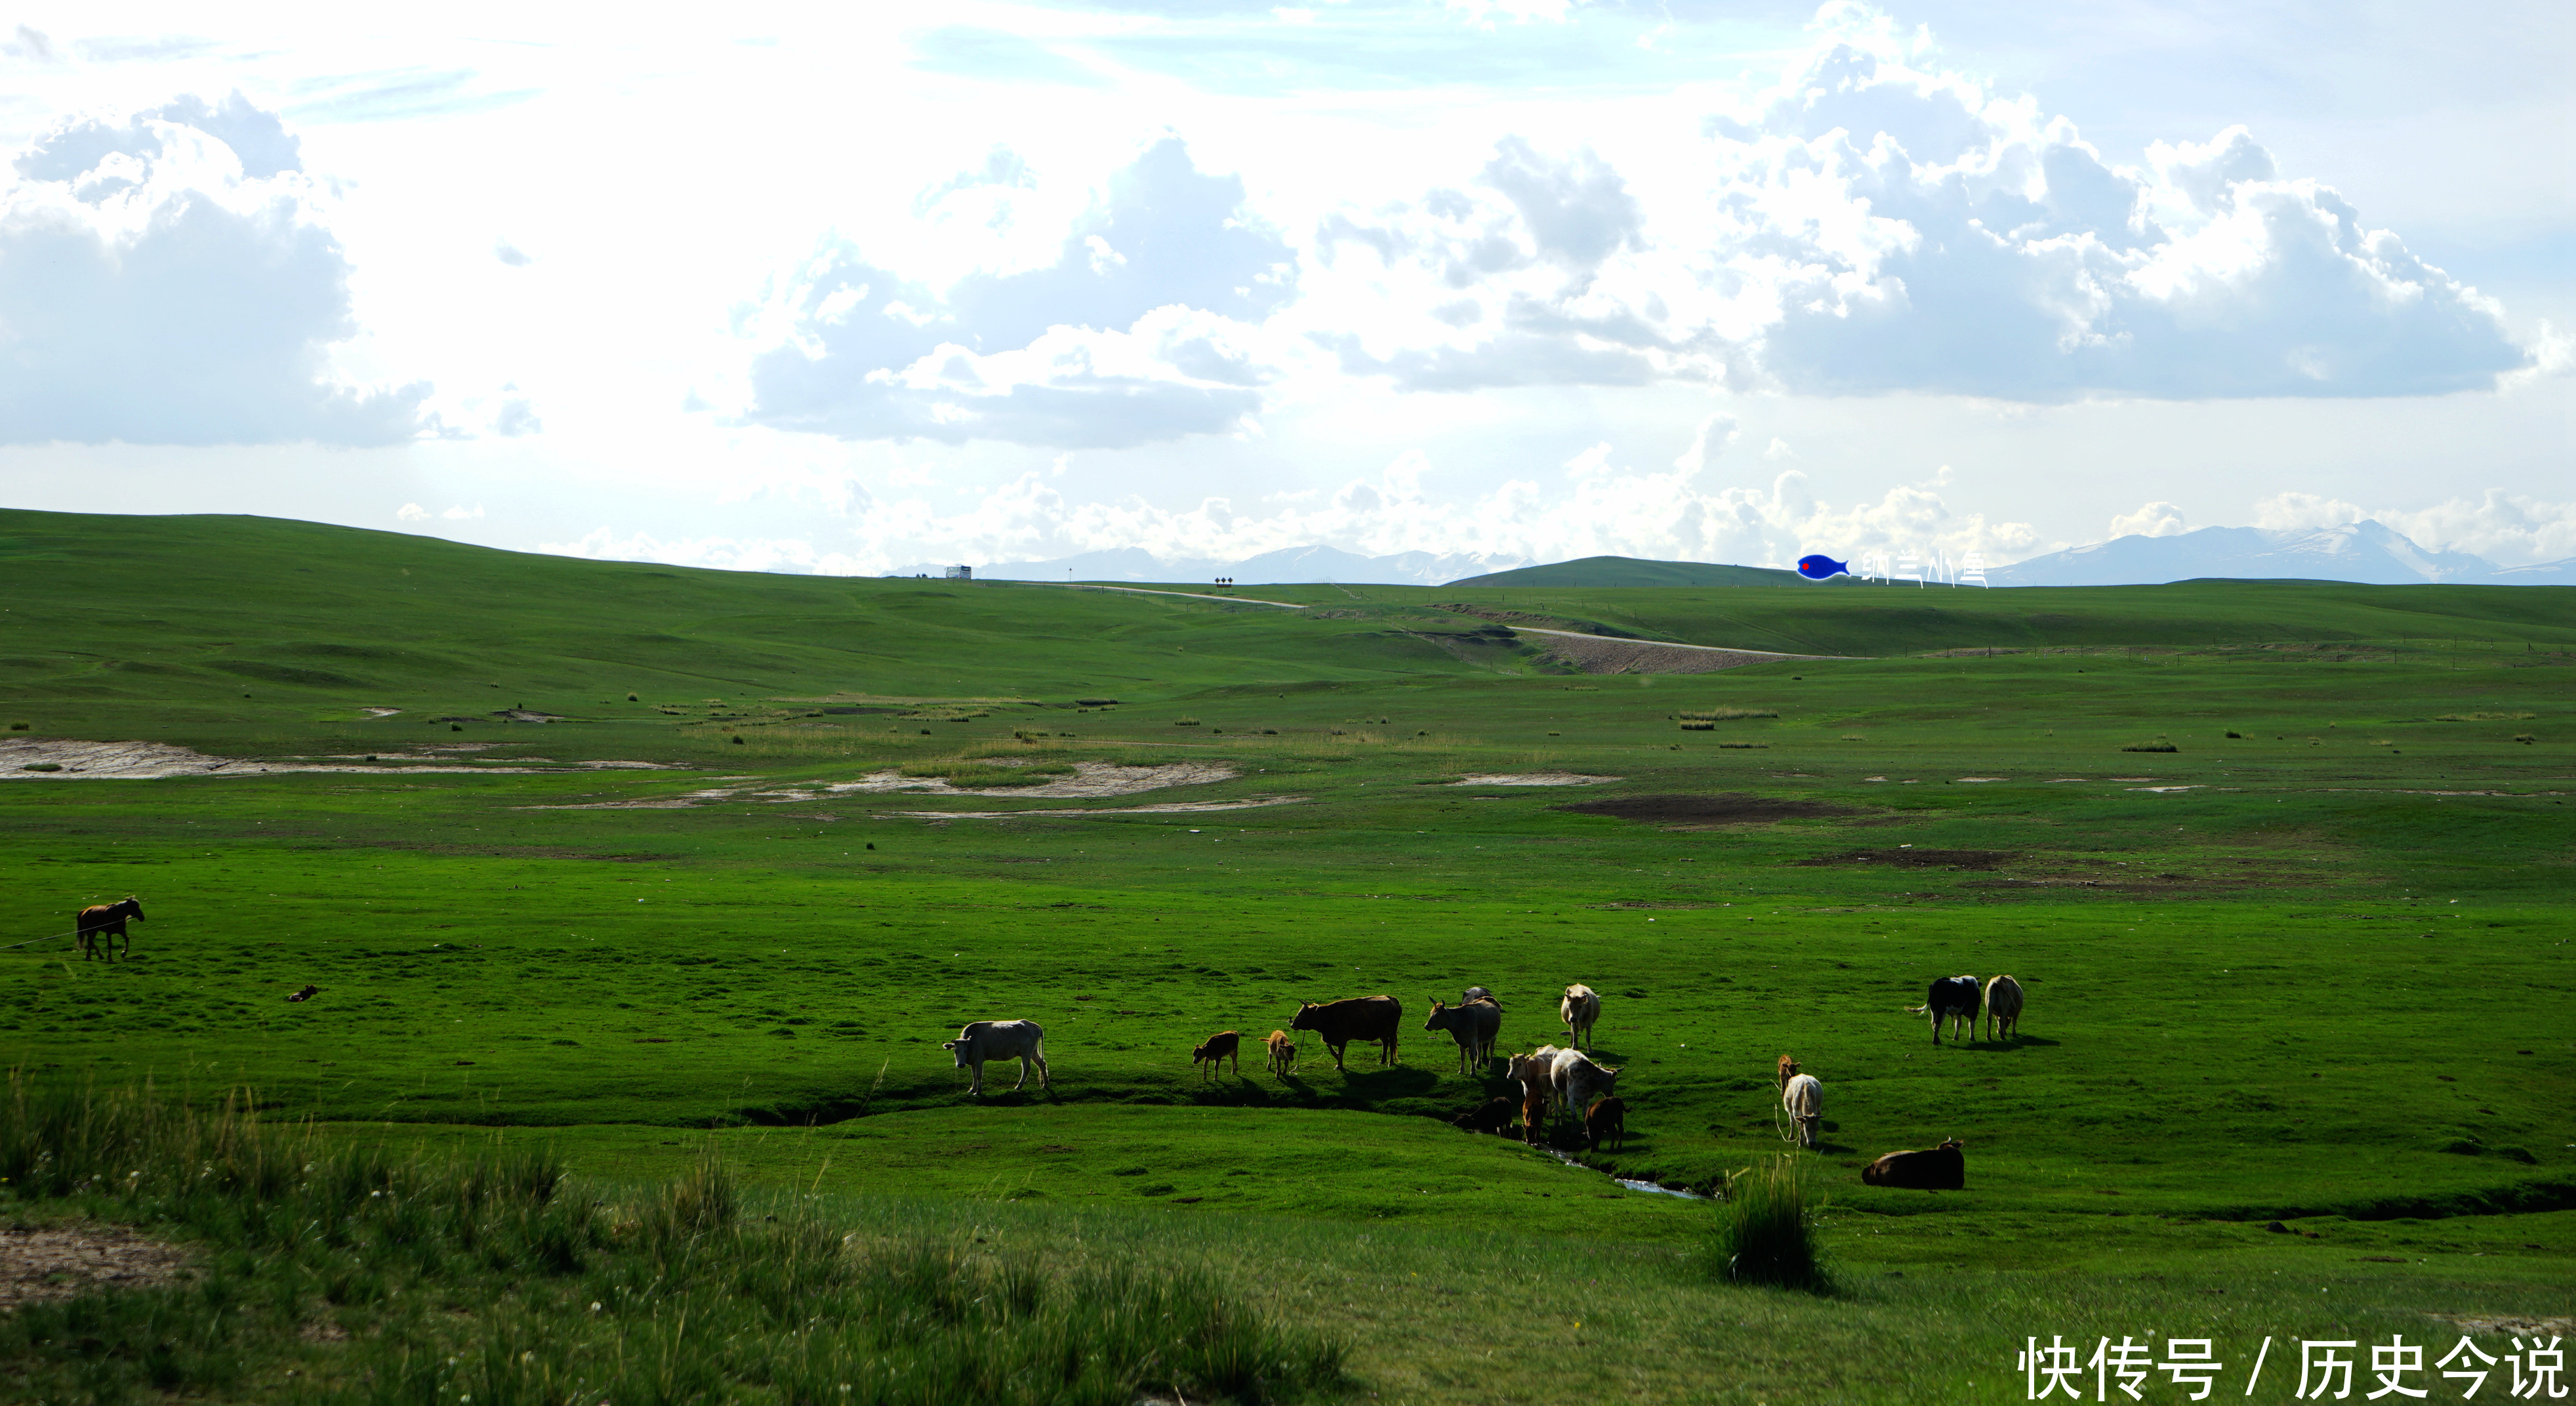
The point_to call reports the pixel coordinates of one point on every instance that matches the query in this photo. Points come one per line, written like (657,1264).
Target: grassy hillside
(2245,886)
(1595,572)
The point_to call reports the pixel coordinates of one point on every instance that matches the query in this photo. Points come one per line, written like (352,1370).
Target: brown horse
(107,920)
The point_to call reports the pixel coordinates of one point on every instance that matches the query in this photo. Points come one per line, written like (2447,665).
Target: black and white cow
(1953,997)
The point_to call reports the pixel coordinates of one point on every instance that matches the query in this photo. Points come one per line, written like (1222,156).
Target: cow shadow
(2014,1042)
(1365,1087)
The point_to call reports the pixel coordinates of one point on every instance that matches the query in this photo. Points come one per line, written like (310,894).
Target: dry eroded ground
(65,759)
(63,1261)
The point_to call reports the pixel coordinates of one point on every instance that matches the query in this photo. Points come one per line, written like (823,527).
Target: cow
(1803,1097)
(1000,1039)
(307,994)
(1368,1018)
(1478,993)
(1534,1117)
(1606,1121)
(1491,1116)
(1581,1007)
(1220,1047)
(1577,1081)
(1788,1070)
(2003,1006)
(1944,1168)
(1472,1025)
(1283,1052)
(1531,1071)
(101,921)
(1951,997)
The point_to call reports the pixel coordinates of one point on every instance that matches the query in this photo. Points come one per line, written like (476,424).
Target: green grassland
(2309,966)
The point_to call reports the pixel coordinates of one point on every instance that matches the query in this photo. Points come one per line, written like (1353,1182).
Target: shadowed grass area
(352,1275)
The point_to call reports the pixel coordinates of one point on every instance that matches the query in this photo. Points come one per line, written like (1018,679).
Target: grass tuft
(1766,1231)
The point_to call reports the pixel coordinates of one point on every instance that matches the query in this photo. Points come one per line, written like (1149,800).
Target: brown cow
(1606,1121)
(1788,1070)
(1473,1025)
(1491,1116)
(100,921)
(1376,1019)
(1944,1168)
(1221,1046)
(1283,1053)
(1534,1117)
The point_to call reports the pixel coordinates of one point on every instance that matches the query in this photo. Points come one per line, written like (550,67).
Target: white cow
(1804,1098)
(1581,1007)
(1000,1039)
(1576,1081)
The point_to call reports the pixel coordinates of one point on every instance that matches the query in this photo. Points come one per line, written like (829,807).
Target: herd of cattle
(1551,1080)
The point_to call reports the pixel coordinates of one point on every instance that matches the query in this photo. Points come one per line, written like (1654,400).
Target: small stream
(1645,1186)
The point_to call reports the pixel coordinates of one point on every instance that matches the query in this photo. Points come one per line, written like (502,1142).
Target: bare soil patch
(150,761)
(1594,655)
(65,1261)
(1163,808)
(1909,857)
(1535,778)
(1723,808)
(1089,779)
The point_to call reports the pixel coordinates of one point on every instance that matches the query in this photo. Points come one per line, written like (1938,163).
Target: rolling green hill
(1630,571)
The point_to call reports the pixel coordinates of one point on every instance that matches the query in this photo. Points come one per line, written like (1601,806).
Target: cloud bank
(169,278)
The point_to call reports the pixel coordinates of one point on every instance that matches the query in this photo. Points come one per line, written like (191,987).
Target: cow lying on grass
(1283,1053)
(1221,1046)
(1000,1039)
(1944,1168)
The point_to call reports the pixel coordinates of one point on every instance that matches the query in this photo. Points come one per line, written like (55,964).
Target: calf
(2003,1006)
(1581,1007)
(1951,997)
(1534,1117)
(1606,1121)
(1803,1097)
(1220,1047)
(1283,1052)
(1788,1070)
(1944,1168)
(1473,1025)
(985,1040)
(1531,1071)
(1491,1116)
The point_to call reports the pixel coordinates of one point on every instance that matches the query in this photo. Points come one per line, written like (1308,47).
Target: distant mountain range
(2364,552)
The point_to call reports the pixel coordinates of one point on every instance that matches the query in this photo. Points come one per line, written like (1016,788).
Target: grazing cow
(1283,1052)
(1581,1007)
(1367,1018)
(1804,1099)
(1000,1039)
(1534,1118)
(100,921)
(1491,1116)
(2003,1006)
(1944,1168)
(1220,1047)
(1951,998)
(1606,1121)
(1478,993)
(1472,1025)
(307,994)
(1577,1081)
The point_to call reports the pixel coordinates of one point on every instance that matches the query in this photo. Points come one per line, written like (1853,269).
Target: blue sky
(844,288)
